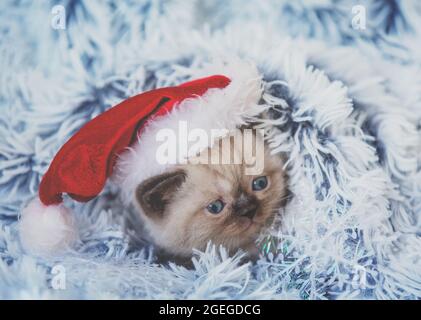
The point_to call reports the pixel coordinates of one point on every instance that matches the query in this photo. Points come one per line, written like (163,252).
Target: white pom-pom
(46,230)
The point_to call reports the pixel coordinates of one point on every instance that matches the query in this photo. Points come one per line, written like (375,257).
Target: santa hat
(121,143)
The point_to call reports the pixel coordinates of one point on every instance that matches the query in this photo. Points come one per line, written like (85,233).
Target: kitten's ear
(155,193)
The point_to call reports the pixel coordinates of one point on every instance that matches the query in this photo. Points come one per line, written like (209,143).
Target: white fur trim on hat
(226,108)
(46,230)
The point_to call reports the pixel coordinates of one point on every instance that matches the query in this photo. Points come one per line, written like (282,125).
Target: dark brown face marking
(245,205)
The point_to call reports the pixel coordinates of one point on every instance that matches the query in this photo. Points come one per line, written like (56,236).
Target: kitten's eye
(259,183)
(215,207)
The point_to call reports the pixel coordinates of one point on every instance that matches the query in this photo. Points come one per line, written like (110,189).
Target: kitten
(186,207)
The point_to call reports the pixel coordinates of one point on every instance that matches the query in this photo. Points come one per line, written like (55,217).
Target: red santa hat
(121,144)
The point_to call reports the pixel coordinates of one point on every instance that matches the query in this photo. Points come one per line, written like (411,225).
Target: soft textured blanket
(343,91)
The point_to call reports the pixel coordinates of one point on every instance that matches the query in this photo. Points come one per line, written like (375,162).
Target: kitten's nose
(245,206)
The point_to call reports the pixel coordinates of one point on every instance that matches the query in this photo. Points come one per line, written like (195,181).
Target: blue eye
(215,207)
(259,183)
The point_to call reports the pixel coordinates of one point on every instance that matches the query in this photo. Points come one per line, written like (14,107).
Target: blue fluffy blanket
(342,86)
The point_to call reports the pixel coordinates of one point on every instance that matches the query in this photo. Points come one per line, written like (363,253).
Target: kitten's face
(185,208)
